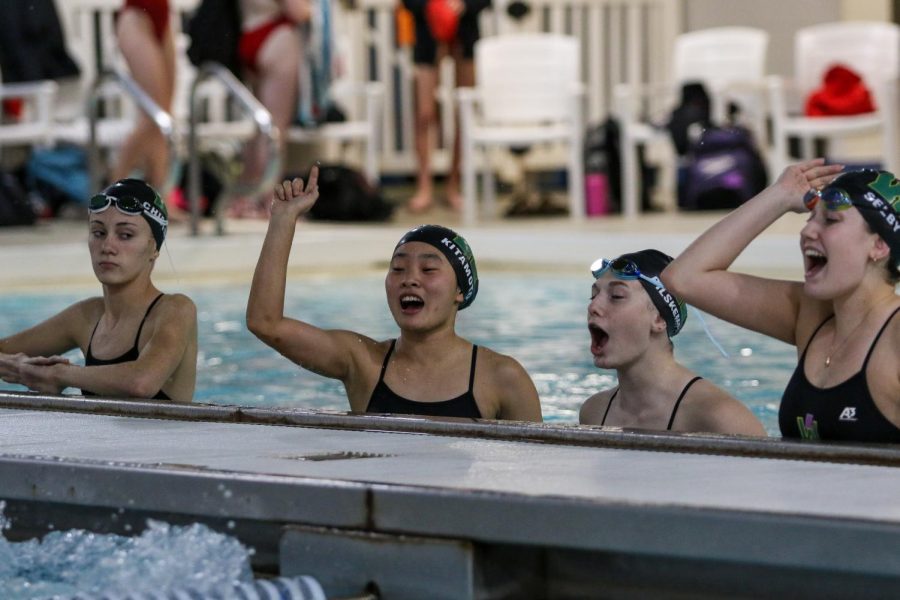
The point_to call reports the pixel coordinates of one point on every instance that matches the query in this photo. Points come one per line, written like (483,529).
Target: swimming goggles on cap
(834,198)
(622,268)
(127,205)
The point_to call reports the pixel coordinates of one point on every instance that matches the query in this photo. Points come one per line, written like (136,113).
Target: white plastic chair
(527,91)
(730,62)
(871,49)
(36,124)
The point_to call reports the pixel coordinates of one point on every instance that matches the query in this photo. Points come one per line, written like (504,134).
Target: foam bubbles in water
(162,558)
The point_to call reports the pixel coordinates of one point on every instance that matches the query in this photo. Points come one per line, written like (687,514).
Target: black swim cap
(671,308)
(458,254)
(877,195)
(153,209)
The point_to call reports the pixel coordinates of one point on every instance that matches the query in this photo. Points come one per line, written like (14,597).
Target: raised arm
(173,340)
(324,352)
(700,275)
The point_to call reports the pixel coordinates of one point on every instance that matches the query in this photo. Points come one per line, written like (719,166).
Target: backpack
(215,31)
(723,169)
(346,195)
(693,109)
(59,175)
(14,206)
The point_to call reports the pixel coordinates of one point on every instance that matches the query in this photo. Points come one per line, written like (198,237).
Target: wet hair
(457,251)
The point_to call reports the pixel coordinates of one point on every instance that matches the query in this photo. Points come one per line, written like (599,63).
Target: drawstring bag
(843,93)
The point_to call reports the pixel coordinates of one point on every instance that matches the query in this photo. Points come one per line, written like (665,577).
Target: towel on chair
(843,93)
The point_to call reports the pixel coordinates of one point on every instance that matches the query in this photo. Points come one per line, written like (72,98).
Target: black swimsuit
(845,411)
(131,355)
(684,392)
(384,400)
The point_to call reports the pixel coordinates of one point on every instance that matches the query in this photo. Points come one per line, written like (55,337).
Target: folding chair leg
(489,190)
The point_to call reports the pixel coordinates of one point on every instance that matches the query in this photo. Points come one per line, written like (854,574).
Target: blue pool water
(539,319)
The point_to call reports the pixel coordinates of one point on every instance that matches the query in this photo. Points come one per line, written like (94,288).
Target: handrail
(262,120)
(162,119)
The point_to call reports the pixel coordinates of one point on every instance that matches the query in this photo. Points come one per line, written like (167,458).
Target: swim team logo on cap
(457,251)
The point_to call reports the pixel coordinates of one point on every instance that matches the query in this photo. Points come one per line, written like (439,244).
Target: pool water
(539,319)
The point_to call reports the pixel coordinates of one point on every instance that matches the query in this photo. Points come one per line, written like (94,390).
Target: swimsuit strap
(140,327)
(877,337)
(137,338)
(387,357)
(608,407)
(680,398)
(814,333)
(472,370)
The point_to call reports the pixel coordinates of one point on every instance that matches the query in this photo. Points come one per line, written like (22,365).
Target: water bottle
(596,185)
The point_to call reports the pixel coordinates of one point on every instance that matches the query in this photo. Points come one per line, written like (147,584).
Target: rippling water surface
(539,319)
(161,558)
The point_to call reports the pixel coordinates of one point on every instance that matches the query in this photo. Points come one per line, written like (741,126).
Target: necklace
(836,347)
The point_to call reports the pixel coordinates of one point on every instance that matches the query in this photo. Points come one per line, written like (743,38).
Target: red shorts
(252,41)
(157,10)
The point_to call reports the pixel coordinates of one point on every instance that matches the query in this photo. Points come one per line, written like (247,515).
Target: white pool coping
(55,254)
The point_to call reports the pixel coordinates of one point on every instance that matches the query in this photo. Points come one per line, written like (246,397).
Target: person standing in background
(147,44)
(270,51)
(443,28)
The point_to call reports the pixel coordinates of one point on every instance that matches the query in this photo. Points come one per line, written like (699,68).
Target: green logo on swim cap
(886,186)
(464,263)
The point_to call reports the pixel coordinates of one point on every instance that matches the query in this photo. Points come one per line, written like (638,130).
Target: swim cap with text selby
(457,251)
(877,196)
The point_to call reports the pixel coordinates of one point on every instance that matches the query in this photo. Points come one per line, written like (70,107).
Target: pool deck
(54,254)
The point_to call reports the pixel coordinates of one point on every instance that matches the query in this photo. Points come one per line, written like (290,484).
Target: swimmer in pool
(631,319)
(137,341)
(842,317)
(428,369)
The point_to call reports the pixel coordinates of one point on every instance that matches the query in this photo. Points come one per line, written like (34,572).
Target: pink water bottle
(596,194)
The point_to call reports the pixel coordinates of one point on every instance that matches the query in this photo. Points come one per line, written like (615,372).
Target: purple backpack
(723,170)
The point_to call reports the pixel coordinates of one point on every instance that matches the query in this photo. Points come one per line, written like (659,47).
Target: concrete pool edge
(540,433)
(331,494)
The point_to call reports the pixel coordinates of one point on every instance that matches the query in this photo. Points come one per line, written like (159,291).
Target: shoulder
(363,349)
(708,408)
(592,410)
(505,384)
(84,313)
(176,308)
(503,369)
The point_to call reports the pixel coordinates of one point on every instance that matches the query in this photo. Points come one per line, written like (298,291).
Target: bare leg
(276,88)
(426,81)
(465,77)
(152,66)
